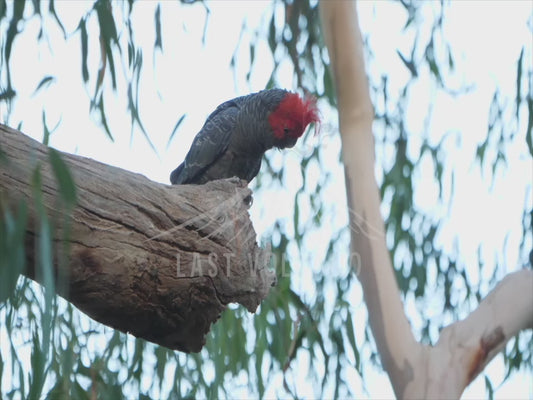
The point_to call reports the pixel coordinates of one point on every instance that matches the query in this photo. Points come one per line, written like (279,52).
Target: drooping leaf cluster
(306,330)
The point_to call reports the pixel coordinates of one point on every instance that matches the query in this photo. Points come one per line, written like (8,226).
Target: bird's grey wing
(254,170)
(209,144)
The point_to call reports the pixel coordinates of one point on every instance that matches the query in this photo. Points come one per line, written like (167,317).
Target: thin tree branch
(466,347)
(395,342)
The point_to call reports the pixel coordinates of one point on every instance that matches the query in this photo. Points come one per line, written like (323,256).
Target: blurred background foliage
(306,331)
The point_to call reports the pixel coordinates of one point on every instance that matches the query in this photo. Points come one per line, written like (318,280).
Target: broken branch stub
(160,262)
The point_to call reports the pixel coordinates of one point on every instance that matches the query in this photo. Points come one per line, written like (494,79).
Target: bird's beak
(289,142)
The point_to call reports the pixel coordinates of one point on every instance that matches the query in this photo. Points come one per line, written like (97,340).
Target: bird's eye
(286,131)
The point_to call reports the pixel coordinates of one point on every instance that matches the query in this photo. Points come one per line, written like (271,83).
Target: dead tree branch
(160,262)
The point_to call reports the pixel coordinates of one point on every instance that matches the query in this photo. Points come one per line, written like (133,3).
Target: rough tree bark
(160,262)
(464,347)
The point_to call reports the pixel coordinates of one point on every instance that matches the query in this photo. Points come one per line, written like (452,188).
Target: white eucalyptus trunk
(465,347)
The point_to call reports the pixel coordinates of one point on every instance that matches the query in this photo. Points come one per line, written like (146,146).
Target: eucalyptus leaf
(67,187)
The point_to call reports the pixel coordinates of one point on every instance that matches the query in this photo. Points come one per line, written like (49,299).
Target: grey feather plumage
(232,141)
